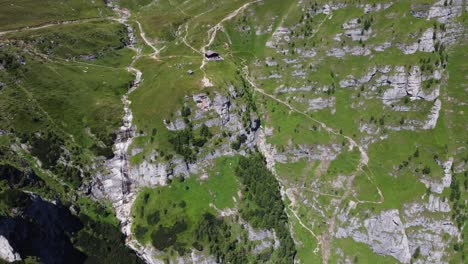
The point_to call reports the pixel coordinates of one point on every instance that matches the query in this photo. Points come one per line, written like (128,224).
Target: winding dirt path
(157,51)
(212,32)
(323,240)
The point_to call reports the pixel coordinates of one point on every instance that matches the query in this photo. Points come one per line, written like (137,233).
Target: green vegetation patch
(22,13)
(263,206)
(168,216)
(86,41)
(345,163)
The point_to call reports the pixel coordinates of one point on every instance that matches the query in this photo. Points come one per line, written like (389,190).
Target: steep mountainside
(221,131)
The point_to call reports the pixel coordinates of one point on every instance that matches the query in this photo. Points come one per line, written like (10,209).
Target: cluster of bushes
(368,23)
(13,198)
(103,243)
(239,141)
(250,102)
(104,149)
(16,178)
(380,121)
(459,210)
(219,240)
(49,148)
(185,142)
(308,28)
(265,208)
(165,237)
(10,60)
(181,141)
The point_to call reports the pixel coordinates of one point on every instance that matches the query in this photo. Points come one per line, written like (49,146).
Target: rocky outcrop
(203,101)
(369,8)
(221,105)
(150,174)
(266,238)
(354,50)
(401,83)
(436,185)
(424,44)
(283,89)
(321,103)
(354,30)
(7,252)
(384,233)
(433,115)
(425,225)
(306,53)
(430,229)
(444,12)
(177,124)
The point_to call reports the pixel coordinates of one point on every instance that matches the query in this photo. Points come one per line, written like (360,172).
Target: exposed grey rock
(357,50)
(338,37)
(254,122)
(199,257)
(290,61)
(306,53)
(336,52)
(420,10)
(272,76)
(267,238)
(354,30)
(438,186)
(269,62)
(382,47)
(401,83)
(444,13)
(177,124)
(7,252)
(424,44)
(203,101)
(436,204)
(135,151)
(221,105)
(213,122)
(368,8)
(350,81)
(297,73)
(384,233)
(368,76)
(88,57)
(433,116)
(314,152)
(149,174)
(321,103)
(429,228)
(284,89)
